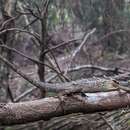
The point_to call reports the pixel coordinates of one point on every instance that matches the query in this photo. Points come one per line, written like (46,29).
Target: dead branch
(79,47)
(29,91)
(35,35)
(8,21)
(31,59)
(95,67)
(60,45)
(91,85)
(13,67)
(113,70)
(25,16)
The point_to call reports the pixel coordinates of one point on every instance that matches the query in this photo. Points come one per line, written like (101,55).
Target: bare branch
(29,91)
(101,68)
(8,21)
(33,13)
(60,45)
(79,47)
(31,59)
(45,7)
(33,82)
(35,35)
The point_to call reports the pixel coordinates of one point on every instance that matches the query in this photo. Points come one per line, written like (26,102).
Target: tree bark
(47,108)
(7,38)
(43,45)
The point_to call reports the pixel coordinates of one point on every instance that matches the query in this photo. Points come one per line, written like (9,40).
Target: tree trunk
(43,45)
(7,39)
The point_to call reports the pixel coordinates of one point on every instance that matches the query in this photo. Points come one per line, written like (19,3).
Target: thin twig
(9,20)
(29,58)
(61,45)
(108,124)
(29,91)
(79,48)
(35,35)
(18,71)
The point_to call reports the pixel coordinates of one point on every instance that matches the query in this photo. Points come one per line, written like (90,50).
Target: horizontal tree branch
(95,67)
(35,35)
(61,45)
(47,108)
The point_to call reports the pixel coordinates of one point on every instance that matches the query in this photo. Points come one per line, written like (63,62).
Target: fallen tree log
(47,108)
(86,85)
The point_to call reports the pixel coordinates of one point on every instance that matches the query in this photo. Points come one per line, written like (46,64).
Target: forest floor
(19,85)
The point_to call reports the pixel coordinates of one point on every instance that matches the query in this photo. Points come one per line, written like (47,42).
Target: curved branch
(30,80)
(31,59)
(60,45)
(21,30)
